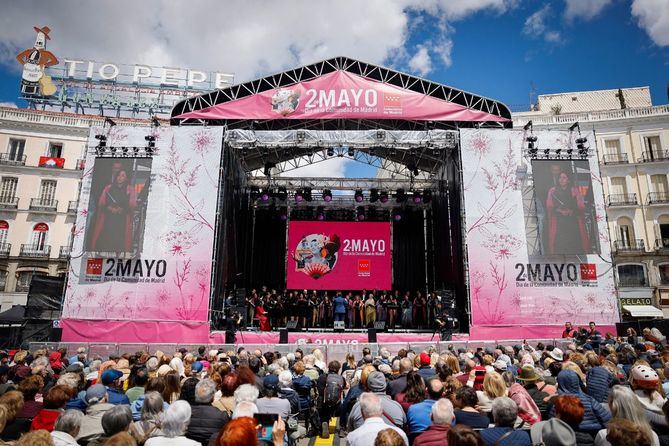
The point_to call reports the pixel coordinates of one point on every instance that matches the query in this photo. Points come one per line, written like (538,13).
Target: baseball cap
(111,375)
(499,365)
(197,367)
(95,393)
(424,358)
(271,382)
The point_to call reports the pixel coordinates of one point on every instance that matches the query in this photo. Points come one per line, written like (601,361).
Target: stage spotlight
(359,196)
(373,195)
(397,215)
(300,135)
(351,152)
(299,196)
(383,196)
(413,169)
(327,195)
(155,122)
(380,135)
(110,122)
(580,145)
(112,150)
(436,151)
(150,144)
(360,214)
(135,150)
(546,152)
(282,193)
(254,193)
(372,151)
(427,196)
(102,140)
(265,195)
(574,126)
(125,149)
(267,170)
(557,152)
(283,215)
(570,151)
(400,195)
(392,151)
(528,126)
(320,213)
(307,194)
(417,198)
(330,151)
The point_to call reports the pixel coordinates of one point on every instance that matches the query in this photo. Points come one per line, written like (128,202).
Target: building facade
(632,145)
(41,164)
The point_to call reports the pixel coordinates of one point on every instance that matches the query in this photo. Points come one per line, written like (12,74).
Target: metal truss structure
(344,184)
(366,70)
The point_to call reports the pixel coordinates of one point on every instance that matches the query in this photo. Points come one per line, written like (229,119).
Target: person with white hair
(246,392)
(244,409)
(67,428)
(175,423)
(287,392)
(206,420)
(505,412)
(372,411)
(442,417)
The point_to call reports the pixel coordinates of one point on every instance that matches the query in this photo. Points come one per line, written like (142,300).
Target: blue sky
(496,48)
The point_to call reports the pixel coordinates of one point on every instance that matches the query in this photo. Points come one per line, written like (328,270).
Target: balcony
(623,200)
(615,158)
(650,156)
(36,252)
(64,252)
(632,282)
(9,203)
(42,205)
(657,198)
(12,161)
(629,246)
(72,207)
(5,248)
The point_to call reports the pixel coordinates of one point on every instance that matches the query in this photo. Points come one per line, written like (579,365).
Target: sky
(503,49)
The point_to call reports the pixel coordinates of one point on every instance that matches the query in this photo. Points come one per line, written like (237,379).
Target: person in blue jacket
(340,307)
(110,379)
(596,417)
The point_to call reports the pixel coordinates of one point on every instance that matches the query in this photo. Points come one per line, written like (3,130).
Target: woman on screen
(114,219)
(566,224)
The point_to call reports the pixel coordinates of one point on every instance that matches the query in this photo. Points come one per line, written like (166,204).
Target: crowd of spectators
(509,395)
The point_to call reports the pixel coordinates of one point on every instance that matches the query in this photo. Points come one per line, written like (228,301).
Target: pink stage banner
(341,94)
(536,235)
(143,239)
(339,255)
(331,338)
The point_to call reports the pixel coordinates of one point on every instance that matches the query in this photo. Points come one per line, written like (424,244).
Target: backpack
(334,388)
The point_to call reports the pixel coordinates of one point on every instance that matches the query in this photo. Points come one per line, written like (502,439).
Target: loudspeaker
(371,335)
(291,325)
(230,337)
(283,336)
(45,298)
(380,325)
(339,326)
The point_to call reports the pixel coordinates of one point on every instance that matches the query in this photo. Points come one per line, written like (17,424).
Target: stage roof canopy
(341,94)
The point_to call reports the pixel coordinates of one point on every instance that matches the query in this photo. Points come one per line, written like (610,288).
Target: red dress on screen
(566,223)
(261,315)
(112,230)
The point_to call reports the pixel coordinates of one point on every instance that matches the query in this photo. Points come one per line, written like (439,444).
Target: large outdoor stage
(172,221)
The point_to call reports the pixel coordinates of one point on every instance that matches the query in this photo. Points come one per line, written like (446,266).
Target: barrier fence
(331,352)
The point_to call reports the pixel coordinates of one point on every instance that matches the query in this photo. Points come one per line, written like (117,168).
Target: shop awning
(643,311)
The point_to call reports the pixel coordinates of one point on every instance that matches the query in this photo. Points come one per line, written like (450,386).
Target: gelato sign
(83,86)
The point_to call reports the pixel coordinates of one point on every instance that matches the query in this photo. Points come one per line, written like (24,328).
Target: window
(613,147)
(664,273)
(47,192)
(55,150)
(4,230)
(8,189)
(625,232)
(632,276)
(16,147)
(664,232)
(23,281)
(618,186)
(659,183)
(40,237)
(652,144)
(3,280)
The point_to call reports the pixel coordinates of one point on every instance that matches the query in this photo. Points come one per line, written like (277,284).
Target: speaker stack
(44,307)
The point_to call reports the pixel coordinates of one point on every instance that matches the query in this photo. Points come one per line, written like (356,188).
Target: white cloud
(421,62)
(250,38)
(653,17)
(584,9)
(535,26)
(330,168)
(8,105)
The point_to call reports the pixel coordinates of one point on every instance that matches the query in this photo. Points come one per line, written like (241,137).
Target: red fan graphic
(316,270)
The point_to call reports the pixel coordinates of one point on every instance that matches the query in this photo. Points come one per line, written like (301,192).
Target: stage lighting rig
(359,197)
(373,195)
(547,153)
(299,196)
(580,146)
(380,135)
(557,152)
(360,214)
(320,213)
(109,122)
(383,196)
(282,193)
(397,215)
(267,169)
(400,195)
(327,195)
(351,152)
(125,149)
(413,169)
(254,193)
(300,135)
(532,149)
(330,151)
(417,198)
(101,148)
(528,126)
(150,144)
(155,122)
(265,195)
(307,194)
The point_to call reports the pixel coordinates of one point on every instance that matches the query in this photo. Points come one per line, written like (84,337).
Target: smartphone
(266,421)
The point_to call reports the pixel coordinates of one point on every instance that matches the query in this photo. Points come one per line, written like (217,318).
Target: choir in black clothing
(313,309)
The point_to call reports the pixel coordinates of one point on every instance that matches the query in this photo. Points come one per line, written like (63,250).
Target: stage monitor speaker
(291,325)
(283,336)
(371,335)
(229,337)
(380,325)
(339,326)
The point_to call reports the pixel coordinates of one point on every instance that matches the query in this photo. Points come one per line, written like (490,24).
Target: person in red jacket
(442,418)
(569,331)
(54,402)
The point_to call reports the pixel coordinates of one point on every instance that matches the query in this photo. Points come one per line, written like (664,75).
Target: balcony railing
(623,200)
(64,252)
(38,252)
(657,198)
(654,155)
(615,158)
(72,207)
(632,282)
(9,202)
(629,246)
(5,248)
(12,160)
(41,205)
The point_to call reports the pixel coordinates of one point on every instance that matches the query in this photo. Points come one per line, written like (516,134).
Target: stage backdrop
(339,255)
(140,268)
(537,242)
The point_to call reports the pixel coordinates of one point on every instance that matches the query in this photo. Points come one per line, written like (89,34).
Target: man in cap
(425,370)
(111,380)
(271,403)
(393,414)
(91,426)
